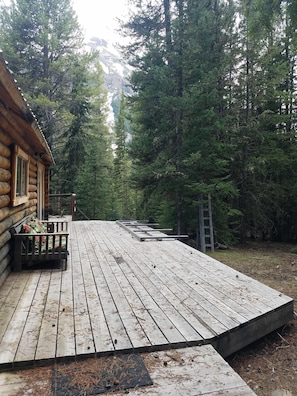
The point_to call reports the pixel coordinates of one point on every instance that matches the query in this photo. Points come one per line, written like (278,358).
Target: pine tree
(122,166)
(261,103)
(179,108)
(42,42)
(88,100)
(94,179)
(39,39)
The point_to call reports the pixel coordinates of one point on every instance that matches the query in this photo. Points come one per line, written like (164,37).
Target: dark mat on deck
(97,376)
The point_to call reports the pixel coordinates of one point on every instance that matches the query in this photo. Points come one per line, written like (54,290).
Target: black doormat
(97,376)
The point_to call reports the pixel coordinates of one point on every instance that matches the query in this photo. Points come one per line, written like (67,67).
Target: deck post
(73,206)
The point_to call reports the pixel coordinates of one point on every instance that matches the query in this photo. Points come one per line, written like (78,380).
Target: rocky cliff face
(116,72)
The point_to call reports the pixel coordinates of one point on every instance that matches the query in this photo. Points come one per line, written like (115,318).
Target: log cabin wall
(10,215)
(25,158)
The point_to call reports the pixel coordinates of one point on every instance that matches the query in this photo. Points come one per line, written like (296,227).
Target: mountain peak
(116,71)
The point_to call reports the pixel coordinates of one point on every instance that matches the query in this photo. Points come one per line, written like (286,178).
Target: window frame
(20,177)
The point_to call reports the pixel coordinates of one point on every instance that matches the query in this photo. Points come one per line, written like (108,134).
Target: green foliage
(214,112)
(177,144)
(39,39)
(94,195)
(42,42)
(123,191)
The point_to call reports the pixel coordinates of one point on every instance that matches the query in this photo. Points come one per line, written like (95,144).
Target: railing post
(73,206)
(60,203)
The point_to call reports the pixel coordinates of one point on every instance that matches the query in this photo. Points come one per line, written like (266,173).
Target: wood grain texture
(119,294)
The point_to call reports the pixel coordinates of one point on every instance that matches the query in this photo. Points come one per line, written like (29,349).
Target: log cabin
(25,159)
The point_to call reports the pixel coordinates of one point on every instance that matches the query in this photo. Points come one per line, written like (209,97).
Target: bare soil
(269,366)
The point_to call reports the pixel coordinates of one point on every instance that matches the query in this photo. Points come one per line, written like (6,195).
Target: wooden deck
(120,294)
(188,372)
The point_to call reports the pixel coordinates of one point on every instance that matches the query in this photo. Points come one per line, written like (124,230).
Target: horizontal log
(4,212)
(9,124)
(4,162)
(4,201)
(4,238)
(5,138)
(4,188)
(4,150)
(33,212)
(32,181)
(32,166)
(14,218)
(32,173)
(32,188)
(8,211)
(5,175)
(4,251)
(7,223)
(32,208)
(4,263)
(32,195)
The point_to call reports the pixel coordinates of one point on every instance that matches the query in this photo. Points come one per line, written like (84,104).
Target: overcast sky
(97,17)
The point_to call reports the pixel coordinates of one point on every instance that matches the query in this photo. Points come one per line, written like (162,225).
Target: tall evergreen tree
(39,39)
(179,106)
(94,179)
(157,80)
(122,166)
(88,107)
(43,44)
(90,142)
(261,101)
(210,61)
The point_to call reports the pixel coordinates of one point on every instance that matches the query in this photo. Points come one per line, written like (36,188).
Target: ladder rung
(205,223)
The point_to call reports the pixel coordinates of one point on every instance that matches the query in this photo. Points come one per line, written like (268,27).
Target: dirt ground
(269,366)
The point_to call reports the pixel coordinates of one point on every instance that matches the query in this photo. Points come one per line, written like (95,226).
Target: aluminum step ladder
(206,236)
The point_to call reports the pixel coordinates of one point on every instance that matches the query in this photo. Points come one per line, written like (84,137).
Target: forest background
(213,111)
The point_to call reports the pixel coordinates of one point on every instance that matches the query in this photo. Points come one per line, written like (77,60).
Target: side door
(40,190)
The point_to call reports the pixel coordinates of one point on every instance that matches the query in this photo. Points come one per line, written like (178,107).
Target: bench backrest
(17,227)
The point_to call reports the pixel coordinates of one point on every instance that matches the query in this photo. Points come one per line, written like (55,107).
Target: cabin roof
(12,98)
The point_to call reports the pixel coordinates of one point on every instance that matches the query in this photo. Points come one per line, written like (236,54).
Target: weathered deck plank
(7,286)
(47,341)
(149,261)
(84,342)
(137,337)
(133,261)
(187,372)
(152,291)
(28,341)
(16,317)
(120,294)
(65,335)
(191,372)
(101,334)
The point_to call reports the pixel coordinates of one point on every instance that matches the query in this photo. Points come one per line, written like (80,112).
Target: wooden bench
(32,248)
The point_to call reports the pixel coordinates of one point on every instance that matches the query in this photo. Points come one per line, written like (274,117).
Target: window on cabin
(21,177)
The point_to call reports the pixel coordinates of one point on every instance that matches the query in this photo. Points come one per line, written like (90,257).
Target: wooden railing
(62,205)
